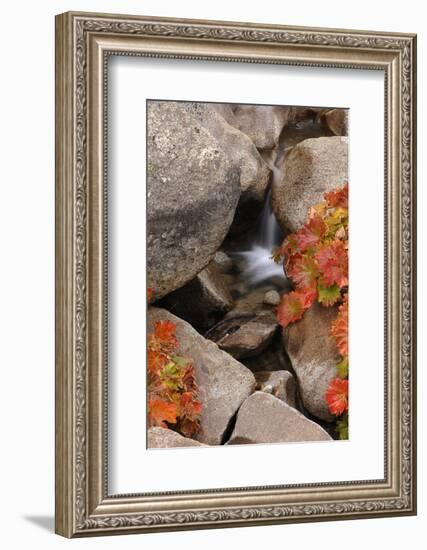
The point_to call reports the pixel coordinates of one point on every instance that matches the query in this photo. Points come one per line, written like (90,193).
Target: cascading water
(258,265)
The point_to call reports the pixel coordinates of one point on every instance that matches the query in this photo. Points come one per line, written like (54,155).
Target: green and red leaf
(303,271)
(293,305)
(332,262)
(328,295)
(310,235)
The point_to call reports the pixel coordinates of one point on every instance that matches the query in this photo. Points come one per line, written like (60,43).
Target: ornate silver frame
(83,42)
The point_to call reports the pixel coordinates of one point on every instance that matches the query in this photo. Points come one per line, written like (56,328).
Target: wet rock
(312,167)
(223,382)
(263,124)
(314,356)
(202,301)
(254,173)
(336,120)
(271,298)
(244,337)
(193,191)
(263,418)
(223,262)
(162,438)
(280,383)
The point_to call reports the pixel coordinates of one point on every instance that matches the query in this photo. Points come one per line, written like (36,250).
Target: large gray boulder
(312,168)
(264,418)
(254,174)
(314,356)
(193,191)
(162,438)
(223,382)
(263,124)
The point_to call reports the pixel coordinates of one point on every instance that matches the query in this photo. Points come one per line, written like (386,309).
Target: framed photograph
(235,274)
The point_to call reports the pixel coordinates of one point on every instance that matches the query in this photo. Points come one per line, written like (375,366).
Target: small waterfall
(257,261)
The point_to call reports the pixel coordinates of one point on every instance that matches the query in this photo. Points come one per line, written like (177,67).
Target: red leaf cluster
(316,260)
(172,389)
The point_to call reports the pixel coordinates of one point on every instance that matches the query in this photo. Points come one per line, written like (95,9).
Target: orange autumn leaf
(311,233)
(156,360)
(303,271)
(337,396)
(339,328)
(338,198)
(188,406)
(292,307)
(150,294)
(160,412)
(332,262)
(165,333)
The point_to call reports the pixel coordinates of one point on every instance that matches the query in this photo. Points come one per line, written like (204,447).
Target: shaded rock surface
(223,382)
(202,301)
(244,336)
(263,418)
(279,383)
(254,174)
(271,359)
(336,120)
(223,262)
(162,438)
(193,191)
(314,356)
(312,167)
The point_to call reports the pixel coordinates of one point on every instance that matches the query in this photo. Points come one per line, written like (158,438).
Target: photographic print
(247,274)
(218,186)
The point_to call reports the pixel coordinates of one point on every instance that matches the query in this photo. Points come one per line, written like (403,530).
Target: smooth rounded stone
(202,301)
(314,356)
(279,383)
(312,168)
(162,438)
(253,171)
(249,301)
(263,418)
(223,262)
(223,382)
(336,120)
(245,337)
(272,298)
(193,192)
(263,124)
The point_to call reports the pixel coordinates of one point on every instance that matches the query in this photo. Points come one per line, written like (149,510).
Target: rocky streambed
(226,183)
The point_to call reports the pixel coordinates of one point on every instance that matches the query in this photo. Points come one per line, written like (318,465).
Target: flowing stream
(258,265)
